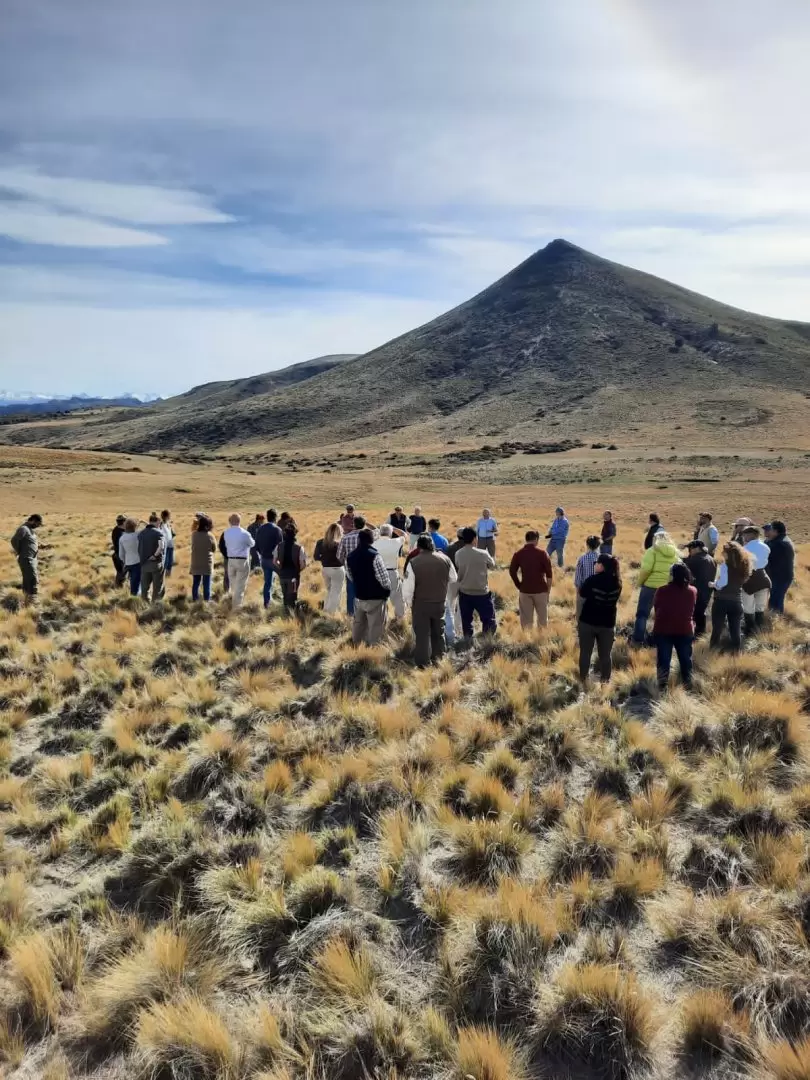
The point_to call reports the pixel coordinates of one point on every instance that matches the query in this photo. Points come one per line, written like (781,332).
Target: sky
(192,190)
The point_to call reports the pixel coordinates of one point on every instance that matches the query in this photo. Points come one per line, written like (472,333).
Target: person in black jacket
(372,587)
(268,537)
(781,563)
(115,537)
(654,527)
(597,622)
(703,569)
(398,519)
(226,581)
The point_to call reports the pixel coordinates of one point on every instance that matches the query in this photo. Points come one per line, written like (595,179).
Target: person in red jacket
(531,572)
(674,627)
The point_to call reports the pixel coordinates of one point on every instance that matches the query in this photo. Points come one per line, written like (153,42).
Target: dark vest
(361,567)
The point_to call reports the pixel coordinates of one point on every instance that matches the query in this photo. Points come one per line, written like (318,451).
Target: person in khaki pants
(531,572)
(372,588)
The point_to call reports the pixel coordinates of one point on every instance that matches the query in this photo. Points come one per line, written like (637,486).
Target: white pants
(396,594)
(453,608)
(757,601)
(333,577)
(238,573)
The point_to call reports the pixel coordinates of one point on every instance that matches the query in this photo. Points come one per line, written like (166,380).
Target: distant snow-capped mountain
(27,397)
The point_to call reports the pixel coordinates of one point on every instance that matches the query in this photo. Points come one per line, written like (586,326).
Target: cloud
(30,223)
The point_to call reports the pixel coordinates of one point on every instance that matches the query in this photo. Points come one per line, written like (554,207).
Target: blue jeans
(168,562)
(646,596)
(134,575)
(483,605)
(778,593)
(267,569)
(559,547)
(349,595)
(682,644)
(195,586)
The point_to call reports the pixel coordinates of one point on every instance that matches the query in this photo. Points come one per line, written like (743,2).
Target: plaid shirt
(585,567)
(380,571)
(348,544)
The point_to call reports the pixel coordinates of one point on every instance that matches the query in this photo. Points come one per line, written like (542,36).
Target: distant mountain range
(566,345)
(14,402)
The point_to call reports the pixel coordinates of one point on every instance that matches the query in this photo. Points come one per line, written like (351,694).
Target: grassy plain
(236,848)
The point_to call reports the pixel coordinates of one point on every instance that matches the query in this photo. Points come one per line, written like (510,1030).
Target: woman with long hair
(203,550)
(600,595)
(290,561)
(130,556)
(735,569)
(333,571)
(674,626)
(608,533)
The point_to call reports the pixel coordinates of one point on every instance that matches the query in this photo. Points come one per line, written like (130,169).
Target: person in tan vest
(432,572)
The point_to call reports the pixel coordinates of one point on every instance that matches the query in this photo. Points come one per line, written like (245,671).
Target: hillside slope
(567,341)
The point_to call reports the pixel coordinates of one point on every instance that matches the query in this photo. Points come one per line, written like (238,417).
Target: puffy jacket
(655,565)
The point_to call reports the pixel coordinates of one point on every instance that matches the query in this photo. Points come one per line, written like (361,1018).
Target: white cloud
(138,204)
(33,224)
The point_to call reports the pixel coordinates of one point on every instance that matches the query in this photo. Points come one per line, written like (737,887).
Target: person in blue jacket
(557,535)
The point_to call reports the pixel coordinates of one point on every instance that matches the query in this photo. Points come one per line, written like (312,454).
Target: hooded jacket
(656,564)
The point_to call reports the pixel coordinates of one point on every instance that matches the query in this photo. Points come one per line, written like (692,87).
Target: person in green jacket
(654,572)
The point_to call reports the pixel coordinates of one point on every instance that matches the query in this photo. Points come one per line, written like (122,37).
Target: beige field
(233,847)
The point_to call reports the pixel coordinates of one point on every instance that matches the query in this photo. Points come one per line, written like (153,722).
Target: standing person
(398,520)
(674,626)
(115,538)
(756,589)
(390,548)
(226,578)
(608,535)
(703,569)
(416,525)
(653,528)
(346,519)
(780,564)
(372,588)
(441,543)
(727,607)
(268,536)
(130,556)
(168,536)
(597,622)
(291,559)
(473,565)
(152,553)
(530,570)
(238,544)
(653,574)
(487,529)
(326,553)
(203,550)
(347,545)
(737,529)
(586,565)
(453,628)
(253,528)
(25,544)
(557,536)
(433,572)
(706,531)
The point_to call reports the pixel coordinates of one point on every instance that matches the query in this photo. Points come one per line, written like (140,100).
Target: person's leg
(734,616)
(526,610)
(206,583)
(452,603)
(760,607)
(159,583)
(30,577)
(646,595)
(580,605)
(485,606)
(449,625)
(700,612)
(438,644)
(541,608)
(604,645)
(683,647)
(267,586)
(748,605)
(146,580)
(195,586)
(587,637)
(606,548)
(359,622)
(466,605)
(561,555)
(349,596)
(169,563)
(718,621)
(420,620)
(134,579)
(238,570)
(663,645)
(551,547)
(395,581)
(778,593)
(377,619)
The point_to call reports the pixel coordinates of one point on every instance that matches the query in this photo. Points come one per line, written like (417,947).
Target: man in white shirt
(756,589)
(390,548)
(238,544)
(487,530)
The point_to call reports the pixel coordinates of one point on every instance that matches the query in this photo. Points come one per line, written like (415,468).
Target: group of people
(446,582)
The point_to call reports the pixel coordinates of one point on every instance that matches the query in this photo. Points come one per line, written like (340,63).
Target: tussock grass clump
(485,851)
(587,840)
(710,1028)
(362,672)
(185,1036)
(758,720)
(482,1055)
(787,1060)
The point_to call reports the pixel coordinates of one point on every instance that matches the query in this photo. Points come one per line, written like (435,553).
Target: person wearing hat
(115,537)
(703,569)
(780,564)
(706,531)
(557,536)
(25,545)
(737,529)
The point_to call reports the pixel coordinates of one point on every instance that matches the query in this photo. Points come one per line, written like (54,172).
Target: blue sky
(192,190)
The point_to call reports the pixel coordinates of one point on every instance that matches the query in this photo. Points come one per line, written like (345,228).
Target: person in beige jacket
(203,550)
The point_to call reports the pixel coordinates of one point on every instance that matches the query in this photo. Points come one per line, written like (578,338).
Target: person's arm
(513,570)
(317,554)
(341,552)
(381,574)
(302,558)
(252,543)
(491,564)
(461,569)
(548,573)
(494,527)
(566,525)
(453,574)
(722,578)
(578,579)
(647,564)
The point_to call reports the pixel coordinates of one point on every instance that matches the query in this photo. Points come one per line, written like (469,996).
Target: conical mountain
(567,343)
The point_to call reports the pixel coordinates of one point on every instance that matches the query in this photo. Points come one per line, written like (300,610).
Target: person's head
(359,522)
(751,532)
(272,515)
(119,521)
(165,515)
(468,535)
(655,519)
(235,519)
(680,575)
(333,533)
(741,523)
(425,543)
(434,524)
(532,536)
(608,565)
(34,521)
(260,519)
(737,559)
(386,530)
(486,512)
(592,543)
(560,512)
(204,523)
(154,519)
(460,533)
(662,537)
(705,519)
(130,525)
(397,509)
(778,528)
(417,510)
(696,547)
(608,515)
(366,538)
(349,508)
